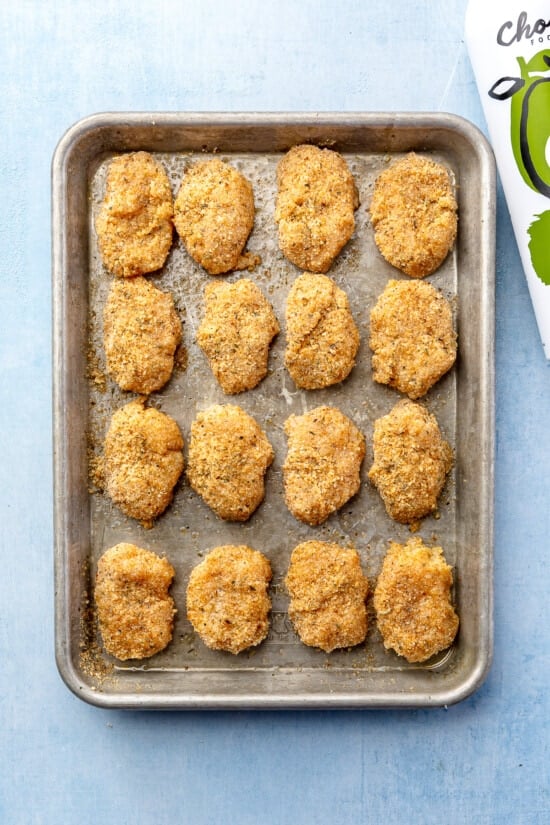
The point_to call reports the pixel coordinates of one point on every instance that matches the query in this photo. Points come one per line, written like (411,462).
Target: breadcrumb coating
(134,609)
(315,206)
(322,338)
(236,332)
(322,467)
(143,460)
(141,331)
(411,461)
(327,595)
(228,457)
(414,215)
(412,337)
(134,224)
(227,600)
(214,215)
(412,601)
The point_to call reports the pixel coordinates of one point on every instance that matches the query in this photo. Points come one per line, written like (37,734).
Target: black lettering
(522,27)
(507,35)
(500,34)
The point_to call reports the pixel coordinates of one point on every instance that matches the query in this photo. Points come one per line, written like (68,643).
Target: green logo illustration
(539,244)
(530,136)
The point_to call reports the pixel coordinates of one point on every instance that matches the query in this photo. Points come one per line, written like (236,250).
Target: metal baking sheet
(281,672)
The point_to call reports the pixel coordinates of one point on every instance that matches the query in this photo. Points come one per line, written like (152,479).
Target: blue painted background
(485,760)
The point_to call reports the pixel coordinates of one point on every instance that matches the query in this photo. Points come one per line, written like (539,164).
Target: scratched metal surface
(282,671)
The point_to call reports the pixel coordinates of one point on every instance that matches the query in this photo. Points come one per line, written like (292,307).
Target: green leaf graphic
(539,246)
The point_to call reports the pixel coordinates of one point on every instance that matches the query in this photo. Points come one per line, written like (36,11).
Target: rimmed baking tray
(280,673)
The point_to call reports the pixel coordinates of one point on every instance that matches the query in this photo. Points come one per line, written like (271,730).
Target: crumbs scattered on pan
(95,373)
(91,657)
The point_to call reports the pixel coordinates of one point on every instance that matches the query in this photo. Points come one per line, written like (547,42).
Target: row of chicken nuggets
(413,212)
(229,454)
(228,603)
(412,336)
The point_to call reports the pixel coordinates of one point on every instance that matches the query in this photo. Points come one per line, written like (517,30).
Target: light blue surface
(485,760)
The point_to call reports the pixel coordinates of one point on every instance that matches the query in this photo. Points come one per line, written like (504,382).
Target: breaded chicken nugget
(413,212)
(411,461)
(141,331)
(134,224)
(412,337)
(227,599)
(412,600)
(321,469)
(315,204)
(235,333)
(134,609)
(143,460)
(228,457)
(214,215)
(322,338)
(327,595)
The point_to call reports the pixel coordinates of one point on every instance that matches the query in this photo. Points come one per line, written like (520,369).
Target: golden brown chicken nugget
(322,338)
(322,467)
(228,457)
(414,214)
(412,337)
(327,595)
(412,600)
(134,224)
(143,459)
(214,215)
(411,461)
(227,599)
(236,332)
(141,331)
(315,207)
(134,609)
